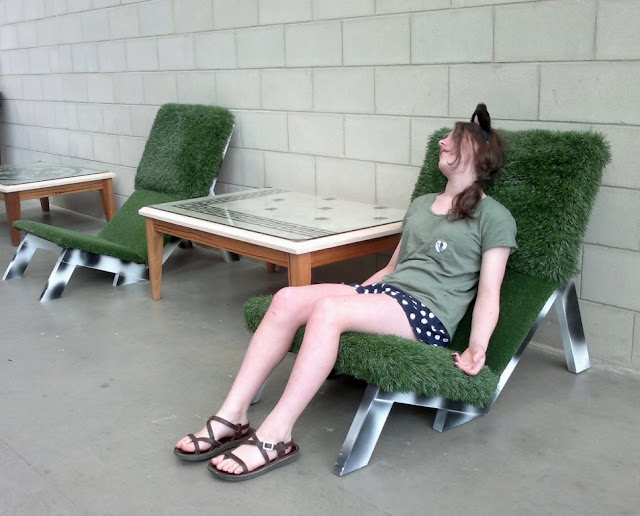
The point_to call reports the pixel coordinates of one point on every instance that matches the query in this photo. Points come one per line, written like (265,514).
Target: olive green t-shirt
(439,259)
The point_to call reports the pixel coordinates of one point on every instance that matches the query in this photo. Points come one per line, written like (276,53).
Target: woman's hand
(471,361)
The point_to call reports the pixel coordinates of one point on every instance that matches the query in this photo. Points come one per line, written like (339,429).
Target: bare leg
(330,317)
(290,309)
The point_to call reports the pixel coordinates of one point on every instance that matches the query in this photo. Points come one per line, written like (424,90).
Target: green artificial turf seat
(549,183)
(181,160)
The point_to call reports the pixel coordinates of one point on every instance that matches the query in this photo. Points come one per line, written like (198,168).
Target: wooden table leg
(12,204)
(299,271)
(44,203)
(154,252)
(108,199)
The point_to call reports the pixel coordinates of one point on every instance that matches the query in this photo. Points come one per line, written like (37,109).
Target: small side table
(41,180)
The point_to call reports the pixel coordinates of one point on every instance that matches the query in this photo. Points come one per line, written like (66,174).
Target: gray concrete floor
(97,386)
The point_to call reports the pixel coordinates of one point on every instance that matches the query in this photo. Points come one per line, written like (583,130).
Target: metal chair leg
(58,278)
(573,340)
(24,253)
(364,432)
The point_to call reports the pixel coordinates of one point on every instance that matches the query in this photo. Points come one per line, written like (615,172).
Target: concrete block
(176,52)
(625,156)
(192,15)
(26,33)
(19,61)
(11,86)
(69,29)
(347,179)
(612,206)
(261,47)
(52,87)
(412,90)
(61,60)
(431,36)
(100,4)
(395,184)
(325,9)
(95,25)
(318,134)
(295,172)
(128,88)
(380,40)
(243,167)
(90,118)
(18,136)
(45,114)
(265,130)
(39,60)
(635,356)
(215,50)
(39,139)
(229,14)
(131,150)
(78,5)
(196,87)
(100,88)
(377,138)
(46,32)
(344,90)
(611,276)
(24,112)
(314,44)
(142,54)
(476,3)
(34,9)
(9,37)
(591,92)
(285,11)
(117,120)
(66,115)
(405,6)
(124,22)
(239,89)
(112,56)
(545,31)
(85,58)
(617,32)
(32,87)
(106,148)
(159,87)
(74,88)
(80,145)
(142,118)
(608,331)
(287,90)
(510,91)
(156,18)
(421,130)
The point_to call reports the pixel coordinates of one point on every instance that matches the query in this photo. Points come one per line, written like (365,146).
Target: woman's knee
(326,311)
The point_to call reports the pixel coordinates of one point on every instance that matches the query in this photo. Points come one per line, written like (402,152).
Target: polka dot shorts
(426,326)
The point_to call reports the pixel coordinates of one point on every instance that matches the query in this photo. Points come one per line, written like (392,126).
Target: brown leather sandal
(282,458)
(241,433)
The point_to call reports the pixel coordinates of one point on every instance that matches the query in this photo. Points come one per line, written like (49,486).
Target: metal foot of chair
(448,419)
(364,432)
(573,340)
(24,253)
(230,257)
(58,278)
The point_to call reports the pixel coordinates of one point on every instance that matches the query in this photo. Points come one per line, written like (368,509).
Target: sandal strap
(239,431)
(239,461)
(236,427)
(279,448)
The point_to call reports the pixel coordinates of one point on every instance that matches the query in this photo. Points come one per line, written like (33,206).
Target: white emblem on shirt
(441,245)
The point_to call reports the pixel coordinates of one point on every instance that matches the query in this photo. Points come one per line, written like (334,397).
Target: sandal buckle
(268,446)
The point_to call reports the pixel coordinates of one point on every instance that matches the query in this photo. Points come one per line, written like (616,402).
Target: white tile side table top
(295,230)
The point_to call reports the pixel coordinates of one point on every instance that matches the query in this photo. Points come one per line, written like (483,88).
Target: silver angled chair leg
(364,432)
(24,253)
(573,340)
(58,278)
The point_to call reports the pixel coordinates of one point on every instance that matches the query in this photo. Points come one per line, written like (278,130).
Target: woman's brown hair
(488,156)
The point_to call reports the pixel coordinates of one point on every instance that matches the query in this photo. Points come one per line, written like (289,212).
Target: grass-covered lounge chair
(181,160)
(549,183)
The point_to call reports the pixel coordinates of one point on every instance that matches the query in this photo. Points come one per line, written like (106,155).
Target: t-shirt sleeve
(500,233)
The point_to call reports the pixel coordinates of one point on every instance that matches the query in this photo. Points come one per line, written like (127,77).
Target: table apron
(354,250)
(51,191)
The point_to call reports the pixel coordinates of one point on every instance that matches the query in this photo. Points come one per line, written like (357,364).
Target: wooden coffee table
(42,180)
(294,230)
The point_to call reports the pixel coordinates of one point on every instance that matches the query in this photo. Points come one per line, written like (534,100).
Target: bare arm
(388,269)
(486,310)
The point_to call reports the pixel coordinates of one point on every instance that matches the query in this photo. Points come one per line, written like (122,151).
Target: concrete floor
(97,386)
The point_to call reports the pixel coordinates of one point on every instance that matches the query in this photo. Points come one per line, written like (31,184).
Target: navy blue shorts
(426,326)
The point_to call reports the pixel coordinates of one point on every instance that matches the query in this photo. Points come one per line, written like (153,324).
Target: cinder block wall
(337,97)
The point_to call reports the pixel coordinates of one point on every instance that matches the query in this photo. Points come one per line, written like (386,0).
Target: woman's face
(449,161)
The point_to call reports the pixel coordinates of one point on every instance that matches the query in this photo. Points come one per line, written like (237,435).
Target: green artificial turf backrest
(548,182)
(185,149)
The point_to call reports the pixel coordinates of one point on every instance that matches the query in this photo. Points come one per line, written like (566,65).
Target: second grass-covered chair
(181,160)
(549,183)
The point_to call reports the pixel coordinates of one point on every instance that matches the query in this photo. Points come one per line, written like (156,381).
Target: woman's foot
(252,454)
(217,436)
